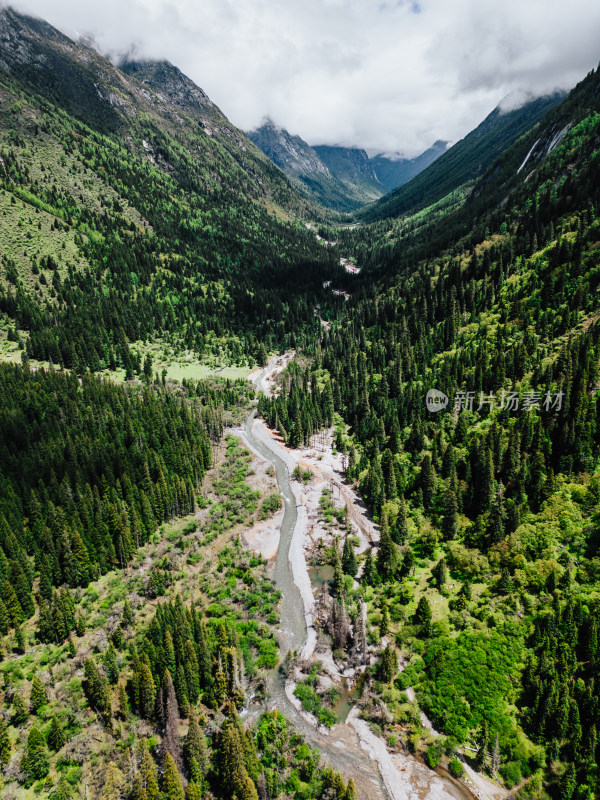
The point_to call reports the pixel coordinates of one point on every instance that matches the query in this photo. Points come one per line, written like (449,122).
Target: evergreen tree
(422,616)
(123,701)
(339,585)
(387,560)
(38,696)
(427,480)
(4,744)
(351,791)
(369,575)
(388,665)
(171,782)
(195,751)
(439,573)
(349,563)
(400,529)
(19,710)
(450,518)
(37,761)
(56,736)
(149,773)
(194,791)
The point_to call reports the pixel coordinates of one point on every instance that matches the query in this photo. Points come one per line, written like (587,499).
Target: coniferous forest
(140,635)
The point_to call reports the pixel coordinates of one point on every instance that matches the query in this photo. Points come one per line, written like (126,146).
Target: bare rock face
(291,153)
(171,86)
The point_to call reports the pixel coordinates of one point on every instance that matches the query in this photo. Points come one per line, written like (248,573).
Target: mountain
(486,573)
(336,177)
(302,164)
(339,178)
(353,168)
(394,170)
(131,199)
(465,161)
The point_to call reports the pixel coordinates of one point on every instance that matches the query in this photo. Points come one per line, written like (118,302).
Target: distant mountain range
(465,161)
(346,178)
(341,178)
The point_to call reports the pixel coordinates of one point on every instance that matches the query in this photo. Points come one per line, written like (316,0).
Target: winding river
(340,747)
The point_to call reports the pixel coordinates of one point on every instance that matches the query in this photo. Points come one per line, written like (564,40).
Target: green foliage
(37,762)
(470,678)
(270,505)
(456,768)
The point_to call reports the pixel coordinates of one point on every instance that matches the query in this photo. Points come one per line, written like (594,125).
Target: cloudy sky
(387,76)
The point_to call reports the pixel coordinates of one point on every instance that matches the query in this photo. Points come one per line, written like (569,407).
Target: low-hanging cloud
(387,76)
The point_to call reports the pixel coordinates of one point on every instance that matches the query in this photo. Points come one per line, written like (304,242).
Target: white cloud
(383,75)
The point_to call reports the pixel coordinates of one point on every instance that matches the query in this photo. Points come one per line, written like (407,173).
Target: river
(403,776)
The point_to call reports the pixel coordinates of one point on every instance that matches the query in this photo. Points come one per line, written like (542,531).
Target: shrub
(456,768)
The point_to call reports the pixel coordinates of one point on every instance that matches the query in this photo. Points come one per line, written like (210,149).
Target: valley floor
(404,776)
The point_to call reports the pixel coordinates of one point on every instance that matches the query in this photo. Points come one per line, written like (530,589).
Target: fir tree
(422,616)
(4,744)
(349,563)
(387,560)
(369,575)
(19,710)
(339,585)
(195,751)
(37,761)
(388,665)
(38,696)
(171,782)
(123,701)
(56,736)
(148,773)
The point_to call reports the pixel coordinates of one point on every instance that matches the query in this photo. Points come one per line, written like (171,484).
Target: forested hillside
(165,222)
(458,375)
(465,161)
(486,572)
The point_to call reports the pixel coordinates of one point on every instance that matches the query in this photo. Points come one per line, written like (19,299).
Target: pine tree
(169,721)
(439,573)
(171,782)
(195,751)
(4,744)
(422,616)
(38,696)
(351,791)
(19,710)
(388,666)
(148,772)
(349,564)
(37,761)
(339,585)
(387,559)
(123,701)
(56,736)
